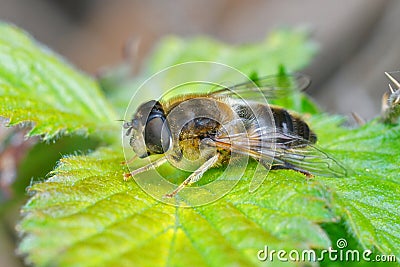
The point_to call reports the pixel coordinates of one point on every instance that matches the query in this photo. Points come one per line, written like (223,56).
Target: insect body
(204,130)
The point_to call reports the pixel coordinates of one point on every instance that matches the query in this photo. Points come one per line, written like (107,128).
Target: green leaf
(290,48)
(369,199)
(86,209)
(86,215)
(36,86)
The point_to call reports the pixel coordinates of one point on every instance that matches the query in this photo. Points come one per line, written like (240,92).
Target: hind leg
(289,166)
(195,176)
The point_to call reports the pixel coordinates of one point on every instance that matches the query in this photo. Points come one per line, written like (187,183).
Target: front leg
(196,175)
(147,167)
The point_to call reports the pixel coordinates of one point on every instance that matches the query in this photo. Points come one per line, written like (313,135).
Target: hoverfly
(286,142)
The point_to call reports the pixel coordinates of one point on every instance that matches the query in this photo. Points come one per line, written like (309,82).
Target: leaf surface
(38,87)
(85,209)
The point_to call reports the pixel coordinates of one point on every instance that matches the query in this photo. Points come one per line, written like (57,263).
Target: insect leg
(196,175)
(130,160)
(147,167)
(288,166)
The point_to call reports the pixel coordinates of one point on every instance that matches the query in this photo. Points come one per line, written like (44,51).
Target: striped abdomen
(291,124)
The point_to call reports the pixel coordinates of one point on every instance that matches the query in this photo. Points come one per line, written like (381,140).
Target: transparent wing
(285,151)
(309,158)
(271,87)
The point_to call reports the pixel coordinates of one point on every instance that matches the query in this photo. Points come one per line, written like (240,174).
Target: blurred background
(359,40)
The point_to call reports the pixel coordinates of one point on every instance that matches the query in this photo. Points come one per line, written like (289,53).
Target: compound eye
(157,135)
